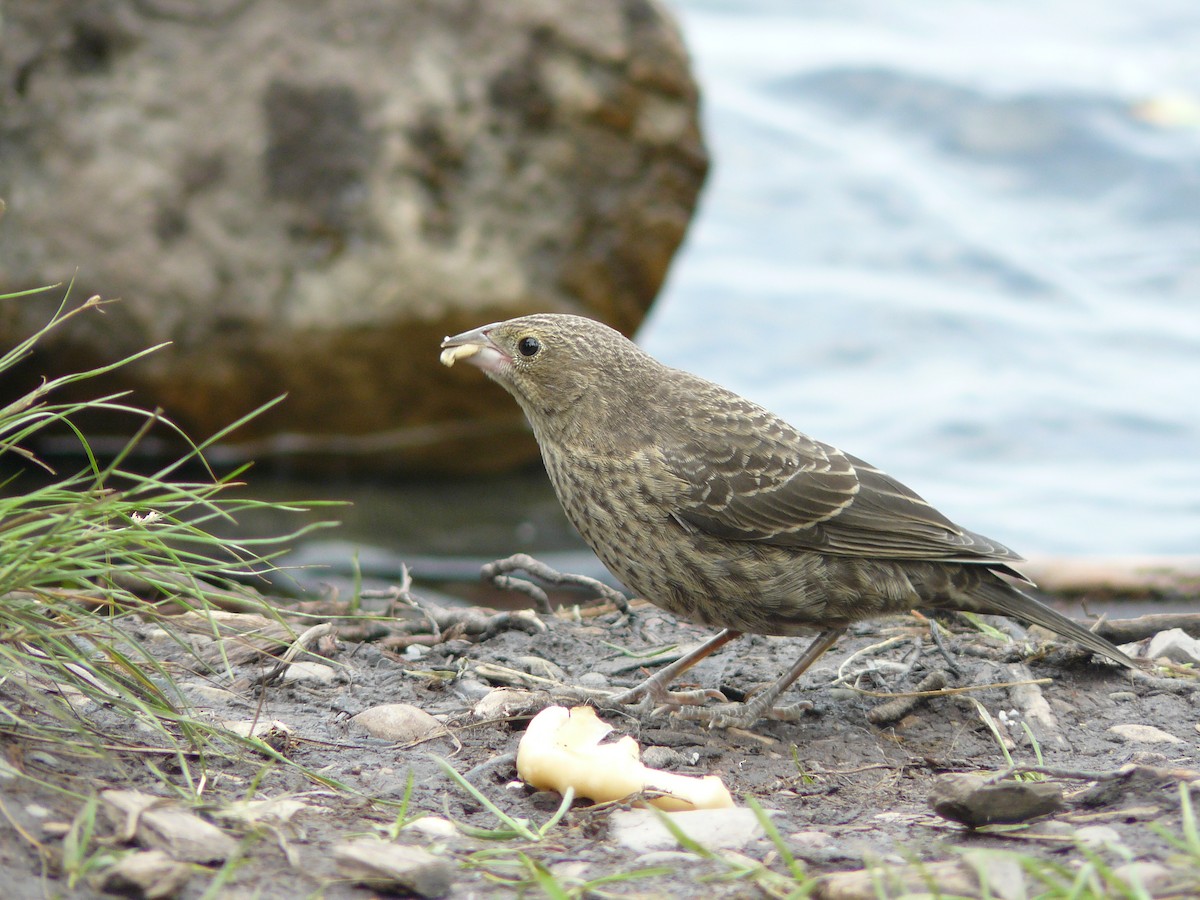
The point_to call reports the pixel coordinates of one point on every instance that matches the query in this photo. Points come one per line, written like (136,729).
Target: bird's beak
(475,346)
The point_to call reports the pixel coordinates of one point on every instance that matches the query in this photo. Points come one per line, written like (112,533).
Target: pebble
(717,829)
(1176,645)
(42,758)
(670,858)
(433,827)
(314,672)
(472,689)
(1096,837)
(400,722)
(975,875)
(1057,829)
(177,831)
(975,800)
(662,758)
(819,848)
(1144,734)
(810,840)
(394,868)
(501,703)
(147,873)
(1122,696)
(594,680)
(1152,877)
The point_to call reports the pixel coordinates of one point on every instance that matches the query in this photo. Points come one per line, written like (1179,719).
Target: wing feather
(750,476)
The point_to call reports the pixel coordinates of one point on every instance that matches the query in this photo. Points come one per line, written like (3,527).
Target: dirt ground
(843,793)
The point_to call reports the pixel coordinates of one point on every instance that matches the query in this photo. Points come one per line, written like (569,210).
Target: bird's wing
(748,475)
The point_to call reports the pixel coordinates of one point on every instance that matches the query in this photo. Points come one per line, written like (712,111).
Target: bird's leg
(655,690)
(743,715)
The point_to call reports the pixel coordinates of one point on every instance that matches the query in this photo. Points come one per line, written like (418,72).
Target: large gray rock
(305,196)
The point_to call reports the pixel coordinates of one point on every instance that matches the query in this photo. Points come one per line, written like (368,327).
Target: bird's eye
(529,346)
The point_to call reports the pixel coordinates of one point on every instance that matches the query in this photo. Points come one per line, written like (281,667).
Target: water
(962,241)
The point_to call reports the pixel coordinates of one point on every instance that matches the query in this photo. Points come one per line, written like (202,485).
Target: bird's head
(560,368)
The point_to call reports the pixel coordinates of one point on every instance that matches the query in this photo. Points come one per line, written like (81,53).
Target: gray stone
(312,672)
(976,800)
(160,824)
(359,181)
(642,830)
(1176,645)
(1097,837)
(975,875)
(1135,732)
(400,722)
(1151,877)
(666,758)
(150,873)
(394,868)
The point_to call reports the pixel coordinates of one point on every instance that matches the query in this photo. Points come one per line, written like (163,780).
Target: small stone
(1096,837)
(662,758)
(159,824)
(1176,645)
(400,722)
(717,829)
(1056,829)
(819,847)
(394,868)
(967,877)
(670,858)
(472,689)
(1144,734)
(503,703)
(312,672)
(975,800)
(999,876)
(810,840)
(42,758)
(1152,877)
(432,827)
(594,680)
(1122,696)
(151,874)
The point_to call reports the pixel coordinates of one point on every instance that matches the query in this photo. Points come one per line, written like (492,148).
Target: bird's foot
(744,715)
(654,698)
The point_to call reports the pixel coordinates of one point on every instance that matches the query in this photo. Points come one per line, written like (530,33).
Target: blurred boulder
(305,196)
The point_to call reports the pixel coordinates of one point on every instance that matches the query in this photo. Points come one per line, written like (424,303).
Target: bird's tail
(998,597)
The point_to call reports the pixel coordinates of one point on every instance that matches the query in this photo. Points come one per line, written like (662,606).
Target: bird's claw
(744,715)
(656,699)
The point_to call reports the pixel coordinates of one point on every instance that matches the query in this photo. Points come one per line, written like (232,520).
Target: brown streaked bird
(718,511)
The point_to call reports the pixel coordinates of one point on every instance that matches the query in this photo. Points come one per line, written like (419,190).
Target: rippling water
(962,241)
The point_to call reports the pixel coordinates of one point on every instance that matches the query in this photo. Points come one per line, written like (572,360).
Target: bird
(717,510)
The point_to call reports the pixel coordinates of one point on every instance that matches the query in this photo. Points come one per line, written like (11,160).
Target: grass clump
(82,553)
